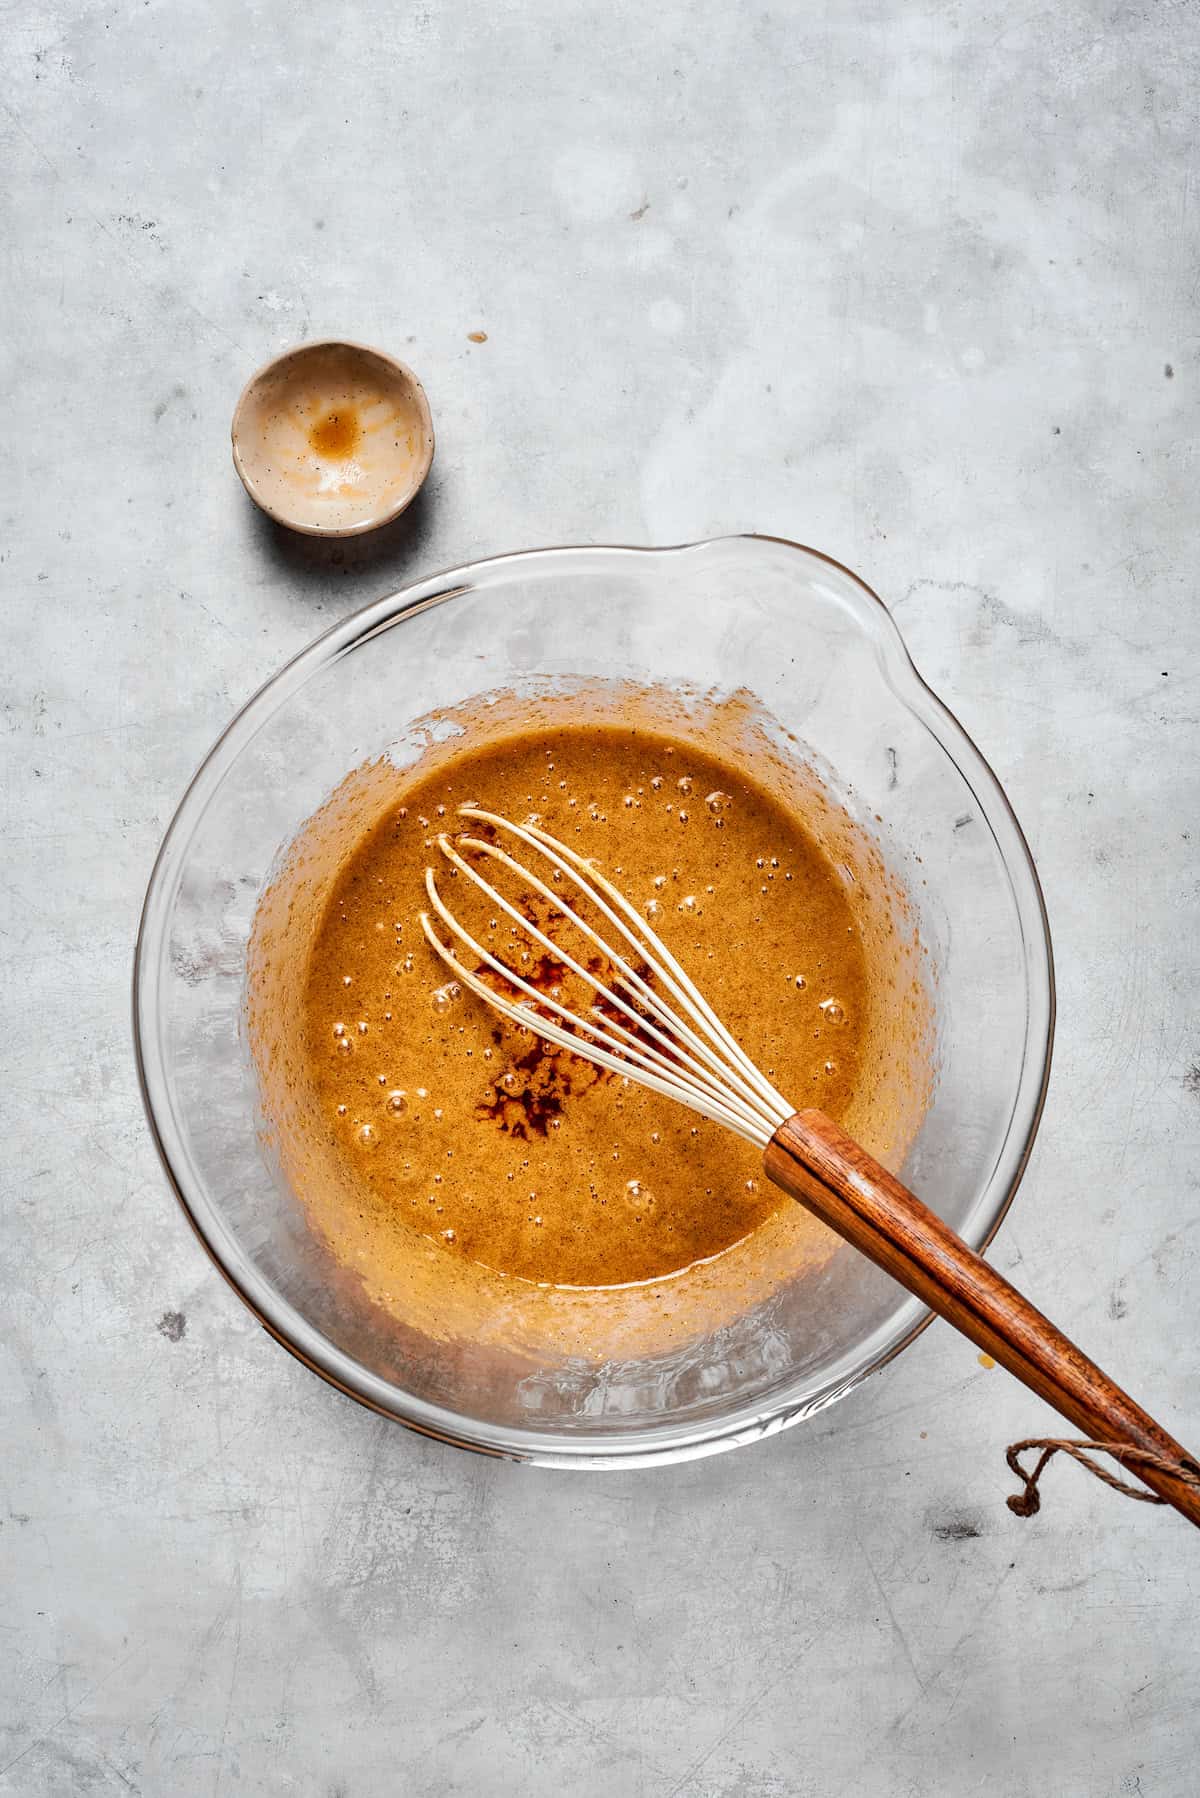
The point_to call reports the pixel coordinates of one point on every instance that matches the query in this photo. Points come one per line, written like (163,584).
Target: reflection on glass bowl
(821,654)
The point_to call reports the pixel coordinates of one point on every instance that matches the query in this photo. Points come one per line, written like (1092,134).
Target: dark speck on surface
(893,769)
(172,1325)
(178,392)
(1168,371)
(961,1527)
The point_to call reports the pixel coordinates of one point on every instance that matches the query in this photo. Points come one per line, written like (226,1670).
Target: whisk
(651,1024)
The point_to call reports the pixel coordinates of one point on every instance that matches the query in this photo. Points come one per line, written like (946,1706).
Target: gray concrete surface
(914,283)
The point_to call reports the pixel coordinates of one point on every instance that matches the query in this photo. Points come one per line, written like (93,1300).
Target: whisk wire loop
(651,948)
(691,1057)
(626,974)
(603,1046)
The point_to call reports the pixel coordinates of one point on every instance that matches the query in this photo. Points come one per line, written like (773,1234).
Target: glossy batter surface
(451,1125)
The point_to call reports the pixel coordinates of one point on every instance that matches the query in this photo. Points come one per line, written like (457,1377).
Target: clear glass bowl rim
(663,1444)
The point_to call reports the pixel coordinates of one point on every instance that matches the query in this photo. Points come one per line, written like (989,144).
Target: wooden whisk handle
(814,1161)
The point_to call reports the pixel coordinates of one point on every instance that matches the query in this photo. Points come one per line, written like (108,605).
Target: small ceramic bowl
(332,438)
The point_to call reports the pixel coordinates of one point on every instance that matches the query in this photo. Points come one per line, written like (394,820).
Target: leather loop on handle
(814,1161)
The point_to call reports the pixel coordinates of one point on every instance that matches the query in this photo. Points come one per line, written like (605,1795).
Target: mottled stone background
(914,283)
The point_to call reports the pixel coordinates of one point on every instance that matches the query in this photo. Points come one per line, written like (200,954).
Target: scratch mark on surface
(685,1783)
(852,1784)
(112,237)
(892,1617)
(233,1673)
(70,1711)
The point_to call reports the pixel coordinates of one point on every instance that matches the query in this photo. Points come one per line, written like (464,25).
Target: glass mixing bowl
(821,653)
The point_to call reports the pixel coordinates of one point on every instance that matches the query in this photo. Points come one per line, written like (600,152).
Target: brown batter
(426,1133)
